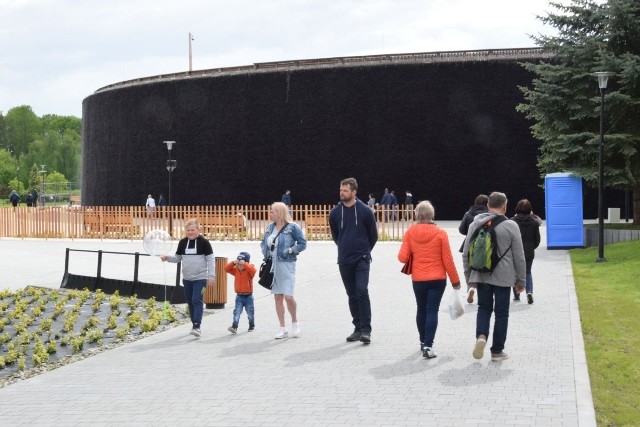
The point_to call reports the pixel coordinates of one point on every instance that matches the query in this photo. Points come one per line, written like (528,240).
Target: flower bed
(41,328)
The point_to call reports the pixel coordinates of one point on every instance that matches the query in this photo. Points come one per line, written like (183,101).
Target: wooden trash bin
(216,296)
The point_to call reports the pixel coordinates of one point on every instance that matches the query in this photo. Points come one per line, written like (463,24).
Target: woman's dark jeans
(428,296)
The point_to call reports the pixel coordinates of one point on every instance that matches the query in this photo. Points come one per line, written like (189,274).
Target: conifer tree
(564,100)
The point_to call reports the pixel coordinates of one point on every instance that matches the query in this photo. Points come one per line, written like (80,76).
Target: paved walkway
(172,378)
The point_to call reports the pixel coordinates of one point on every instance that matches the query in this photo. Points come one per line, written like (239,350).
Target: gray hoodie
(511,270)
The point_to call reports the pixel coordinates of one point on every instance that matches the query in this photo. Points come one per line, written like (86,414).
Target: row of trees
(564,100)
(28,141)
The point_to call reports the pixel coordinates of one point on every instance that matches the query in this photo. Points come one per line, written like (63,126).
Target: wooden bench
(117,223)
(95,222)
(221,225)
(91,222)
(74,200)
(317,224)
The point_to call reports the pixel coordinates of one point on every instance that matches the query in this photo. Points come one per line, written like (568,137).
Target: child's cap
(244,256)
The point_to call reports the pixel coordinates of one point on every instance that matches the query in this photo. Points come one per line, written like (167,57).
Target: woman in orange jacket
(428,247)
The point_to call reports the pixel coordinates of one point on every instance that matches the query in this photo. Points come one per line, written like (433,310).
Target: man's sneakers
(428,353)
(530,298)
(233,329)
(355,336)
(282,334)
(470,295)
(252,327)
(478,349)
(365,338)
(499,357)
(196,332)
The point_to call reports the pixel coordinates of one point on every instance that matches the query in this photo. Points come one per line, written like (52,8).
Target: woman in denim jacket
(289,243)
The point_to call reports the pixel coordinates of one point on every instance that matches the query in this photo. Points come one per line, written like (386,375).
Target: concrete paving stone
(319,379)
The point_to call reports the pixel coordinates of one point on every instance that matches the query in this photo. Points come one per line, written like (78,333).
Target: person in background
(354,231)
(35,195)
(493,287)
(408,206)
(385,202)
(151,205)
(394,205)
(196,255)
(428,247)
(529,224)
(14,198)
(283,240)
(286,198)
(371,202)
(243,272)
(162,202)
(479,206)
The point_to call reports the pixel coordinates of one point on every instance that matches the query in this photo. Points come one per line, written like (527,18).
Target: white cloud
(54,54)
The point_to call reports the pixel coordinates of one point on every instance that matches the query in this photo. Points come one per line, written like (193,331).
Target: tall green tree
(8,169)
(23,127)
(4,143)
(564,100)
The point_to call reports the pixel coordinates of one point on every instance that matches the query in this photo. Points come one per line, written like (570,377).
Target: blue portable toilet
(563,203)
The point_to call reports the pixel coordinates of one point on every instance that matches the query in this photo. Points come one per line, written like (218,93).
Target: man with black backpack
(493,259)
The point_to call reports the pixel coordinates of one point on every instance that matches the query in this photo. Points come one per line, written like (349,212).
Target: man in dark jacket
(529,224)
(353,228)
(14,197)
(479,206)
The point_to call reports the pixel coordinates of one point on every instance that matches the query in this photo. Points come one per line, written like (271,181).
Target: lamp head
(603,76)
(169,144)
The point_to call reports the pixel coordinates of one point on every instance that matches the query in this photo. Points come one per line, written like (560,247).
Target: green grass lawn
(609,298)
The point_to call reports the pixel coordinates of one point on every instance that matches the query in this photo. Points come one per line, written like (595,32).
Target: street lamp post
(602,76)
(171,165)
(190,64)
(42,196)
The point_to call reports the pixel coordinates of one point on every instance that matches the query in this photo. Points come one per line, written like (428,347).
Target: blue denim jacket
(291,237)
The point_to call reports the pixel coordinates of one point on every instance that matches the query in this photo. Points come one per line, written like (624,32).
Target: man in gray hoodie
(493,288)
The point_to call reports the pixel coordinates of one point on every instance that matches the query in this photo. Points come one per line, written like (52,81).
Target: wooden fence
(245,222)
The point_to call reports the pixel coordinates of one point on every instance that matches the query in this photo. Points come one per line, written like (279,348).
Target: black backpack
(483,252)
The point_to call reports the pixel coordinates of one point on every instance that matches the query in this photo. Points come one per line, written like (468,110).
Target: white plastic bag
(456,308)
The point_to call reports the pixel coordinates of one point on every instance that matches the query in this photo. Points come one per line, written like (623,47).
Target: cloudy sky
(53,54)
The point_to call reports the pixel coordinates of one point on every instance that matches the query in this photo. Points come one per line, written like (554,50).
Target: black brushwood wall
(445,131)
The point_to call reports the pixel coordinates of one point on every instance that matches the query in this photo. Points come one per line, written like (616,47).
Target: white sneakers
(295,331)
(470,295)
(282,334)
(478,349)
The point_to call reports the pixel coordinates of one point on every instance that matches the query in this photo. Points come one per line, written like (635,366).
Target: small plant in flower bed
(42,328)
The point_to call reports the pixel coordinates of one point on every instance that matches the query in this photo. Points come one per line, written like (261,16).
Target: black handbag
(265,276)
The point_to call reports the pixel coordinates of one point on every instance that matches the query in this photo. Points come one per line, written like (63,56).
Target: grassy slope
(609,298)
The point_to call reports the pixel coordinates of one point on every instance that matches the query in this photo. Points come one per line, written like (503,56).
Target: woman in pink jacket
(428,246)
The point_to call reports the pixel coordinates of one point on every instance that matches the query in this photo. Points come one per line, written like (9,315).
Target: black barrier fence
(174,294)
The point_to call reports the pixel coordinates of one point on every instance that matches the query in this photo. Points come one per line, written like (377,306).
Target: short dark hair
(351,182)
(497,200)
(481,199)
(523,207)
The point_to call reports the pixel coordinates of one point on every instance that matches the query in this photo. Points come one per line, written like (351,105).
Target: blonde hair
(425,212)
(282,210)
(192,221)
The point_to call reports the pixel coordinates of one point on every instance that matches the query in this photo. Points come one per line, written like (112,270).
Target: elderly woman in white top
(283,240)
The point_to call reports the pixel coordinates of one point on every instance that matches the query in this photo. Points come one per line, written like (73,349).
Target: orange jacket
(243,279)
(432,259)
